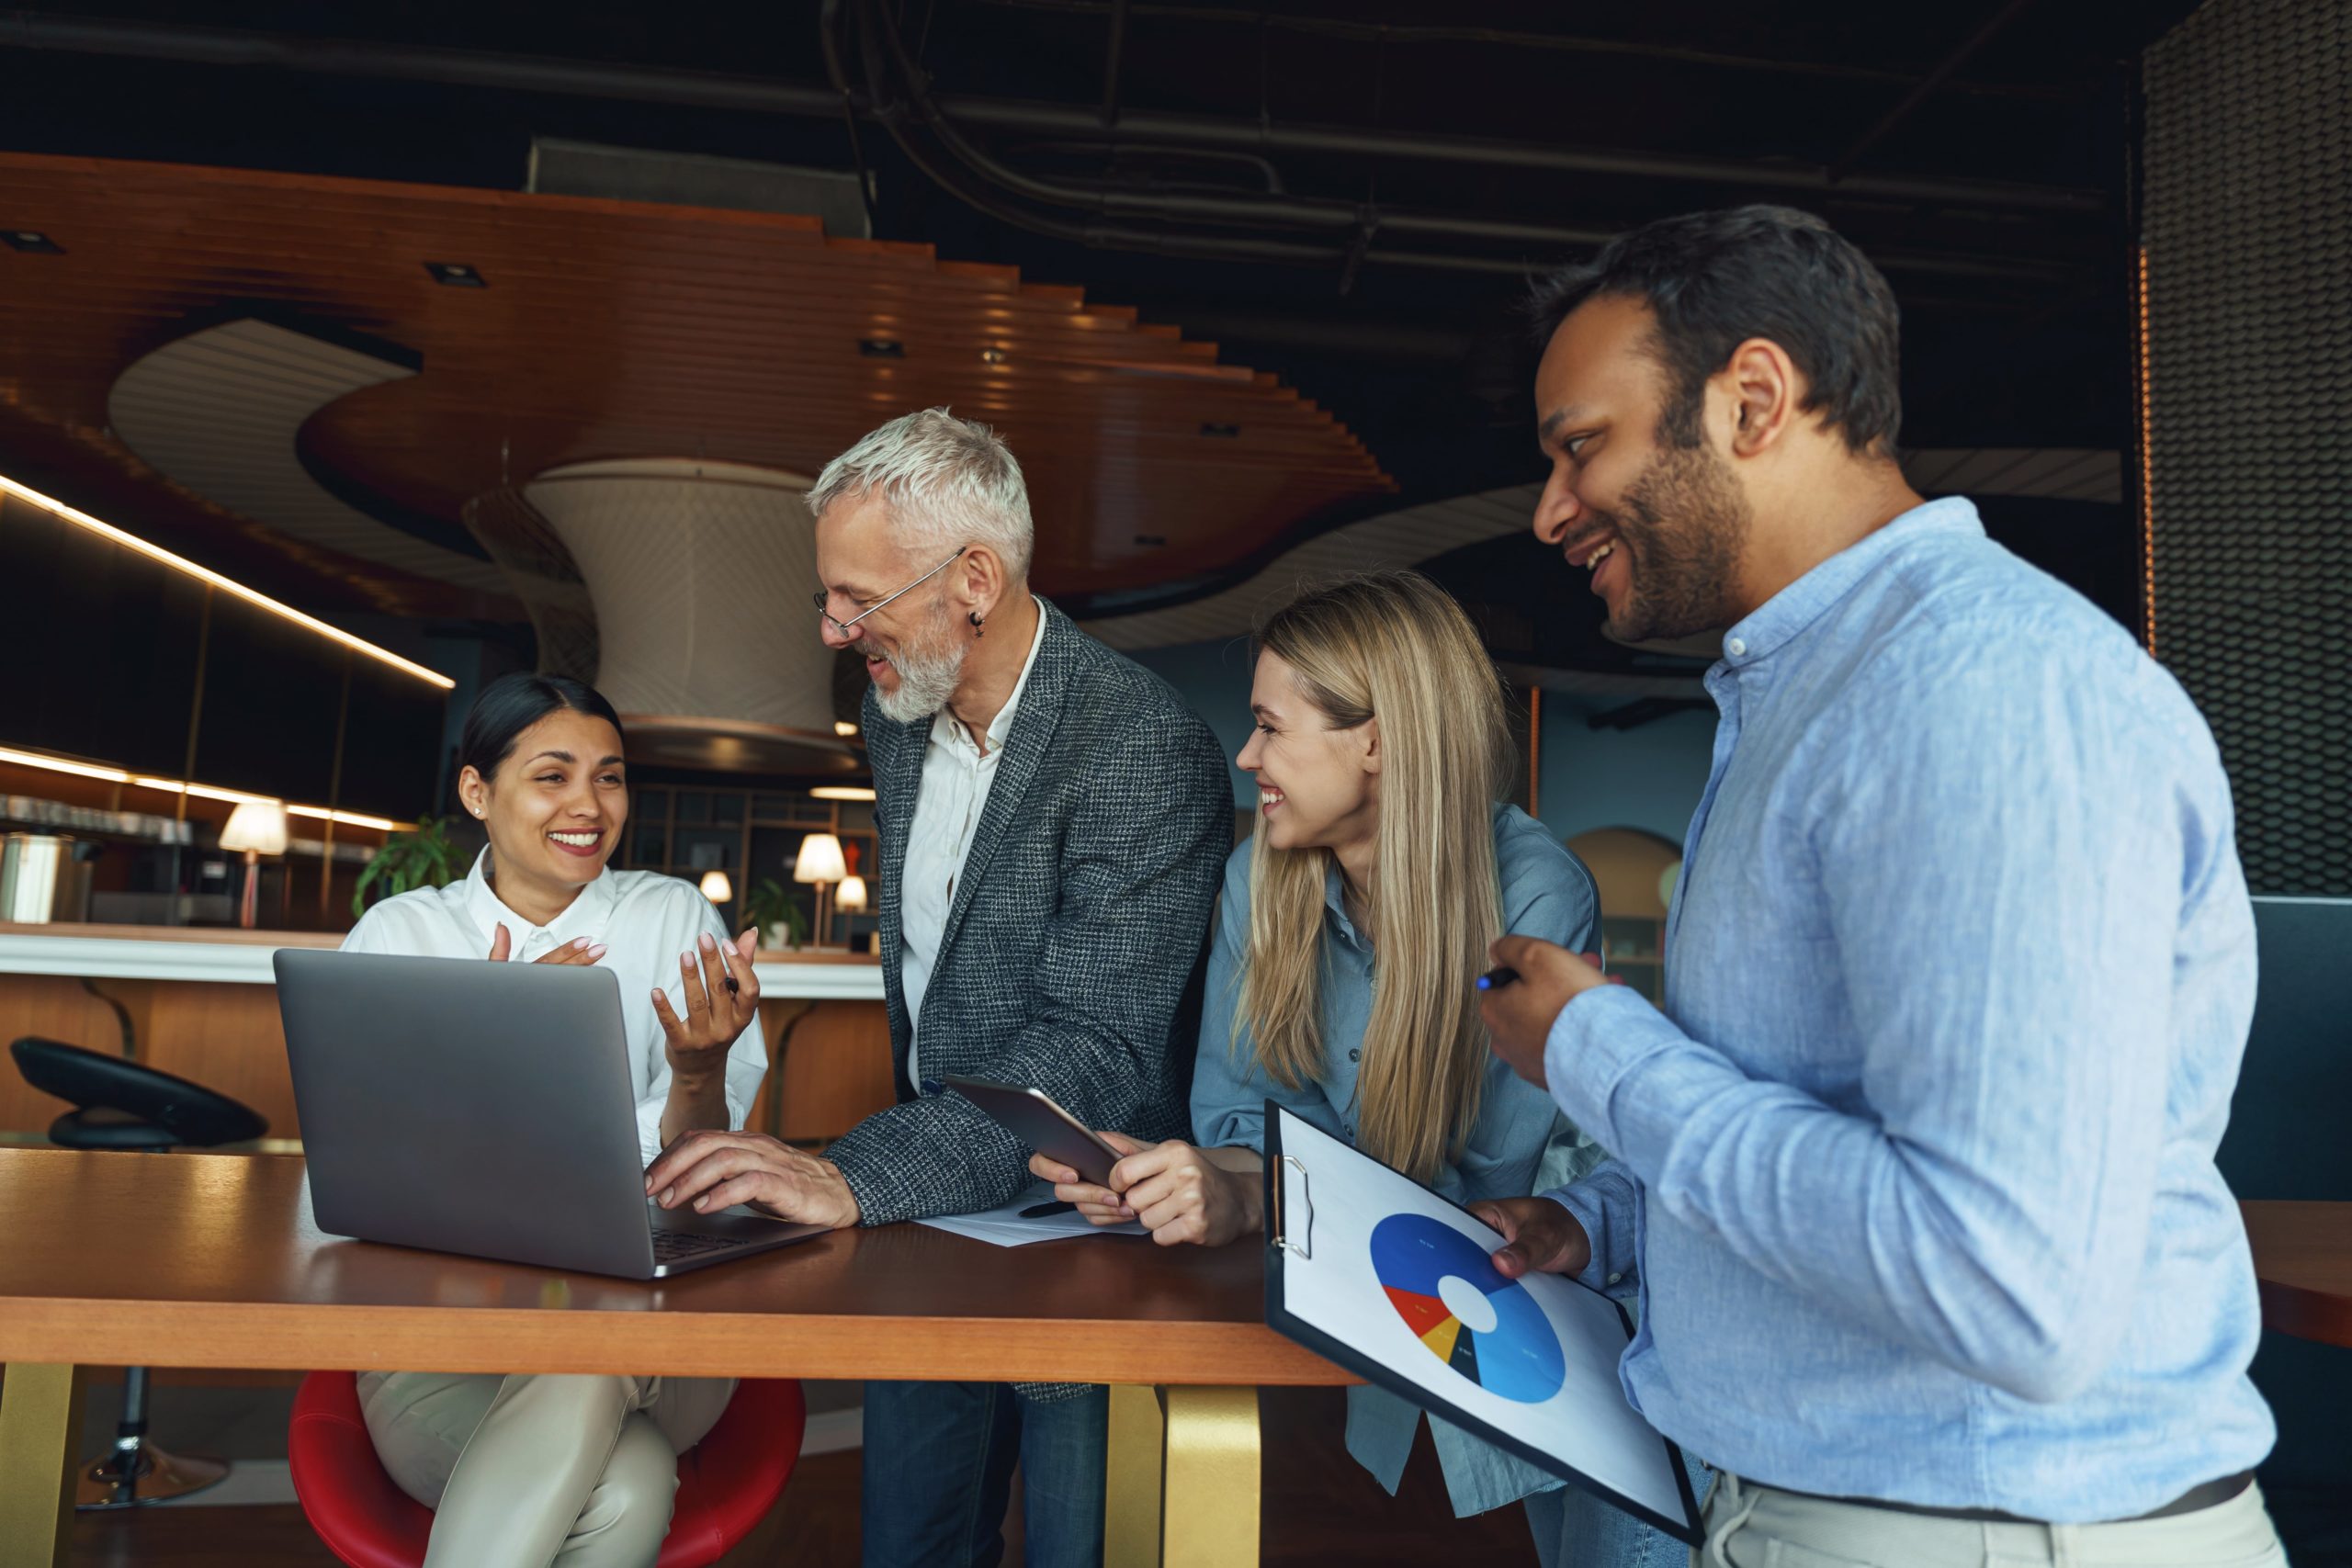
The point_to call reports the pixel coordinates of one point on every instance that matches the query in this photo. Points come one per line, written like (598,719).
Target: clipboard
(1370,1269)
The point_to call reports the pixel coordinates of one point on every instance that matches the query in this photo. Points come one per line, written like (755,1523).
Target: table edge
(341,1337)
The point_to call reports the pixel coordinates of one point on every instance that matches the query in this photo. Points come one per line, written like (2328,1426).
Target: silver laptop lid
(469,1107)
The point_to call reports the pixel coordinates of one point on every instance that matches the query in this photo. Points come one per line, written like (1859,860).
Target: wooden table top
(2302,1261)
(212,1260)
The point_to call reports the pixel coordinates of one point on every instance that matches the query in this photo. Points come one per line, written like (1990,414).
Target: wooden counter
(202,1003)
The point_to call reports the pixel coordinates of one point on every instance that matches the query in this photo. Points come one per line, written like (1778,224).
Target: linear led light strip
(204,574)
(202,792)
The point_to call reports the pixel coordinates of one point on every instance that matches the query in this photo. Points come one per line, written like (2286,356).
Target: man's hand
(721,993)
(1540,1237)
(713,1170)
(1519,1016)
(1101,1205)
(580,951)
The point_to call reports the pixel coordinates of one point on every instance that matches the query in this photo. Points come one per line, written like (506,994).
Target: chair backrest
(195,1116)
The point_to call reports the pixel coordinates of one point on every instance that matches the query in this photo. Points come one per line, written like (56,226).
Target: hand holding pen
(1522,996)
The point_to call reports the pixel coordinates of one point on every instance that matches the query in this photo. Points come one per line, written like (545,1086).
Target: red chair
(726,1483)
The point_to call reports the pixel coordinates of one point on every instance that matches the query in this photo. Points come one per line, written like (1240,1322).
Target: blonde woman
(1353,926)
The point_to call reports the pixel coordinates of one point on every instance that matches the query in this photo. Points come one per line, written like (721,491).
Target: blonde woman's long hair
(1392,646)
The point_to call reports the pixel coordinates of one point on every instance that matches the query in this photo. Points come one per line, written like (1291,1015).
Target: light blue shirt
(1915,1171)
(1547,893)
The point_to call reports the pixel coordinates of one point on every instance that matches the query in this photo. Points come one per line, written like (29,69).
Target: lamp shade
(716,888)
(257,825)
(820,860)
(851,899)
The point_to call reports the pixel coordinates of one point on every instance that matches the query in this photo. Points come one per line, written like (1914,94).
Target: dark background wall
(100,654)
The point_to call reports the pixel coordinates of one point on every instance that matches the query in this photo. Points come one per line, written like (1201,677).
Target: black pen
(1495,979)
(1039,1211)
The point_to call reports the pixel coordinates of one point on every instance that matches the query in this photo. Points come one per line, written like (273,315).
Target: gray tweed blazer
(1071,956)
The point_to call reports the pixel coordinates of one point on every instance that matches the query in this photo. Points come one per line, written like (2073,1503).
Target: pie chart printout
(1487,1328)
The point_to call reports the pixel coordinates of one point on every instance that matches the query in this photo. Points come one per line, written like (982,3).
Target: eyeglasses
(824,597)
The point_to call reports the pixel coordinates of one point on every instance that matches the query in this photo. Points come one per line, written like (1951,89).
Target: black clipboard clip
(1305,1247)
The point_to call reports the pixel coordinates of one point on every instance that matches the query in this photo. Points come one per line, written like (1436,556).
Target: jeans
(938,1475)
(1576,1530)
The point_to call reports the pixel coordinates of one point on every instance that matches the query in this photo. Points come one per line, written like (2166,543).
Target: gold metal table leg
(1183,1478)
(41,1422)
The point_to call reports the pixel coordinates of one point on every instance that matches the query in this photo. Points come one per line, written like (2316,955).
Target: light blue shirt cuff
(1597,1040)
(1603,1271)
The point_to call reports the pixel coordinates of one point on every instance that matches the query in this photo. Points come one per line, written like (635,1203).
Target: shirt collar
(1802,603)
(584,916)
(1335,900)
(946,730)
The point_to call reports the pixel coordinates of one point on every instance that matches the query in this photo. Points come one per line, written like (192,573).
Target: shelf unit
(685,830)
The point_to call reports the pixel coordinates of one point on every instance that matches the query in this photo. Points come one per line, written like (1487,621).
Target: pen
(1495,979)
(1039,1211)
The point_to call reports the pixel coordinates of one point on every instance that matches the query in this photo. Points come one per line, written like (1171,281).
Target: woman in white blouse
(577,1469)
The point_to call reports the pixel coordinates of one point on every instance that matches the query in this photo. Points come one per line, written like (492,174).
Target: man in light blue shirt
(1914,1173)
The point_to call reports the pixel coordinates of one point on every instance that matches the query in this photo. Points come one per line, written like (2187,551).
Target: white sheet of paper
(1546,1350)
(1003,1227)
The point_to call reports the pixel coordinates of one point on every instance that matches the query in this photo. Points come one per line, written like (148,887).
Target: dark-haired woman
(576,1469)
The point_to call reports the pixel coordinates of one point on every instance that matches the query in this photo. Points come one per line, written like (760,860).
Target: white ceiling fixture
(220,413)
(699,574)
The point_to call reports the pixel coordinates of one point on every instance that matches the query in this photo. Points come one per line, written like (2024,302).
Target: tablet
(1032,1117)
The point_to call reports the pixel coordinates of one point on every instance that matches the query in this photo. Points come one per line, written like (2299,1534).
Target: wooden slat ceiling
(613,329)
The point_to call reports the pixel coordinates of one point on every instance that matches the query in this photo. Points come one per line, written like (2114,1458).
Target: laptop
(486,1109)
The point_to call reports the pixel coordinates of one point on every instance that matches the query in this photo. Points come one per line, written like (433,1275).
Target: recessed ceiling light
(840,792)
(455,275)
(993,357)
(31,240)
(843,726)
(1226,431)
(881,348)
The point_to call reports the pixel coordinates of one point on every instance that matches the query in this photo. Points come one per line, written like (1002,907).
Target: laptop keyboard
(672,1246)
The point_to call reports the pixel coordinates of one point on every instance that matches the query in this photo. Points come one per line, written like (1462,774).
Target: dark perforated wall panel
(2248,232)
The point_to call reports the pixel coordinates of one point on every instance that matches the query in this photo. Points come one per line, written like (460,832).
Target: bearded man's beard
(930,665)
(1684,525)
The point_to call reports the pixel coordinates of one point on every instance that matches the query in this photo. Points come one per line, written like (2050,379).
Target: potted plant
(767,907)
(427,858)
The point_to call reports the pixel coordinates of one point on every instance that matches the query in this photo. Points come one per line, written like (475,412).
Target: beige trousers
(1757,1527)
(523,1472)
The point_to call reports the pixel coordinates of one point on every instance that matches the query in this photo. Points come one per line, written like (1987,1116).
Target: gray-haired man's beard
(929,673)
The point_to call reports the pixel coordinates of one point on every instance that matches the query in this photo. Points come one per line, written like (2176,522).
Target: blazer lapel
(897,776)
(1025,746)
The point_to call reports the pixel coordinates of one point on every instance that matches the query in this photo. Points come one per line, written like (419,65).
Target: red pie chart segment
(1420,1312)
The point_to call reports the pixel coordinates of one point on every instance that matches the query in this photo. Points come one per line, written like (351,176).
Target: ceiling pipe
(719,90)
(1353,227)
(1117,48)
(1410,33)
(1927,88)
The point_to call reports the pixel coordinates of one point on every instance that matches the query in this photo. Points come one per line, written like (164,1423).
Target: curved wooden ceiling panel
(617,330)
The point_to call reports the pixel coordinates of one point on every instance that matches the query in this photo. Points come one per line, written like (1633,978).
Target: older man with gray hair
(1053,823)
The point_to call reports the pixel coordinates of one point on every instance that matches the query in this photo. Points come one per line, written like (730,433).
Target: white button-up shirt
(956,777)
(644,919)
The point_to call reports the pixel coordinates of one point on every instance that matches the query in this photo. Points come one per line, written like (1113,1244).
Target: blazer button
(1354,1053)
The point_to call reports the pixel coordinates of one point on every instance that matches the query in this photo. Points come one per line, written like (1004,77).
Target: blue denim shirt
(1915,1170)
(1547,893)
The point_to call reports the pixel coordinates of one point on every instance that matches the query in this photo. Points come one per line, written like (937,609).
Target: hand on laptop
(580,950)
(720,995)
(709,1171)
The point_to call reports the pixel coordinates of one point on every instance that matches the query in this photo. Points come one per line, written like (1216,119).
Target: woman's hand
(720,993)
(579,951)
(1099,1204)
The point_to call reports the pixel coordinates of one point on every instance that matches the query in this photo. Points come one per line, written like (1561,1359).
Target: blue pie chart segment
(1518,1358)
